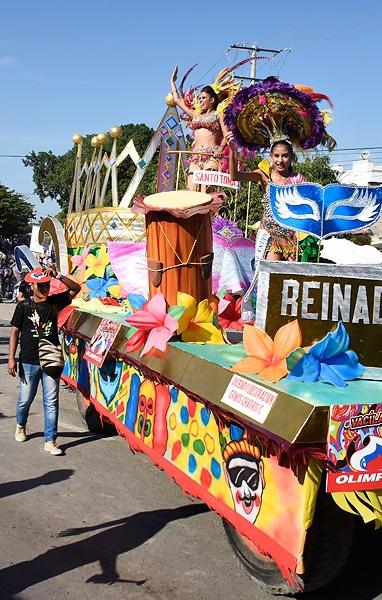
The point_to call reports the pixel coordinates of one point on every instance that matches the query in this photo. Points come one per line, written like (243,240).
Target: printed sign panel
(355,448)
(321,295)
(214,178)
(101,342)
(249,398)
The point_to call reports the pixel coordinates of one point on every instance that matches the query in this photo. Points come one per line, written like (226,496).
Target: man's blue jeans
(30,377)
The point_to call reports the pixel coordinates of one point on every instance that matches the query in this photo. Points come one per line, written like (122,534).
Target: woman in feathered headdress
(204,113)
(277,116)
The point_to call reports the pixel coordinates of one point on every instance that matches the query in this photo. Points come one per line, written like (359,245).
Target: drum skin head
(181,199)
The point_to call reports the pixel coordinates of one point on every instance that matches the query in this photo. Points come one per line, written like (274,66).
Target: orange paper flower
(267,357)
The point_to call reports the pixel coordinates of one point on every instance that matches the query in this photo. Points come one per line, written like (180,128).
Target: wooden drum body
(179,255)
(179,243)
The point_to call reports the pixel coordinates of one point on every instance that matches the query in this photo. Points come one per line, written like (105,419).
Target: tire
(91,418)
(327,548)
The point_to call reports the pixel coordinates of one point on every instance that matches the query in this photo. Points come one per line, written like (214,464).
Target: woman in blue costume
(208,127)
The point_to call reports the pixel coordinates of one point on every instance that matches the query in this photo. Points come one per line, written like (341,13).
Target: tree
(53,174)
(16,216)
(317,169)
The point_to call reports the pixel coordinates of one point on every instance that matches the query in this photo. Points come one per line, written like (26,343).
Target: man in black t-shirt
(35,318)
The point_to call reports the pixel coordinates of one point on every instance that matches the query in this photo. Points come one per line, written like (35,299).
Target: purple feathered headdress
(273,110)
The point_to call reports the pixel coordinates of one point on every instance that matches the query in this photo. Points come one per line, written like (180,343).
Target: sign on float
(214,178)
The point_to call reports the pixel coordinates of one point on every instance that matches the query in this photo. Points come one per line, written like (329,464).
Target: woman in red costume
(208,127)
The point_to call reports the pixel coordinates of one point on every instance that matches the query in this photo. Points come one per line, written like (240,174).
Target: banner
(355,448)
(214,178)
(101,342)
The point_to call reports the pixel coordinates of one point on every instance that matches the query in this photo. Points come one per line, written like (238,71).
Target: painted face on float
(282,157)
(245,475)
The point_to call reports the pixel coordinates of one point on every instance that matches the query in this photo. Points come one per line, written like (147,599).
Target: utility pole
(253,52)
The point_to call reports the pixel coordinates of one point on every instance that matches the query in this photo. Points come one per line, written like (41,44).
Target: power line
(12,155)
(354,149)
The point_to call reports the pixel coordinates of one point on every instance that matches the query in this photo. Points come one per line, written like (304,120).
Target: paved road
(104,523)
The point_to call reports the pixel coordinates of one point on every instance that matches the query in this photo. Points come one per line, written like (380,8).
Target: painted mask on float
(109,377)
(244,472)
(144,427)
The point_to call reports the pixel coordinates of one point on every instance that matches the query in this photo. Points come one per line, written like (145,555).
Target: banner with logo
(355,448)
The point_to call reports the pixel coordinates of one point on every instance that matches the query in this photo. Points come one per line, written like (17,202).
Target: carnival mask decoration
(144,427)
(109,377)
(325,210)
(244,471)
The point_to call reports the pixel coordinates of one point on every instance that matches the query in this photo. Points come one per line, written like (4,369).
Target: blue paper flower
(329,360)
(99,286)
(136,300)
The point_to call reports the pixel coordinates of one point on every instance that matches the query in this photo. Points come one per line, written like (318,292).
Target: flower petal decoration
(99,287)
(79,259)
(230,312)
(329,360)
(96,265)
(136,300)
(267,357)
(153,320)
(196,323)
(136,340)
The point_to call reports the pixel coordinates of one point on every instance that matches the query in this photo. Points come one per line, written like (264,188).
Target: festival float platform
(201,371)
(300,410)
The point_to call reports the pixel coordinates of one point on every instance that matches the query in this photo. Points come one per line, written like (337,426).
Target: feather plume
(316,96)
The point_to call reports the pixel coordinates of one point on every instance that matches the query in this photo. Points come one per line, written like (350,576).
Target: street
(102,522)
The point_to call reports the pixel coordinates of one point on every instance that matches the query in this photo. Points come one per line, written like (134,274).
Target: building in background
(363,172)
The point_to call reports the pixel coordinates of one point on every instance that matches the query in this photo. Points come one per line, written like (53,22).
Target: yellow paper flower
(196,323)
(267,357)
(96,265)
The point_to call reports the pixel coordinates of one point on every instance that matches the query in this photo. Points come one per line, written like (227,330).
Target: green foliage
(53,174)
(247,198)
(317,169)
(16,216)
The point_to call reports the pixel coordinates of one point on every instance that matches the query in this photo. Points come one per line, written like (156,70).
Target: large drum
(179,243)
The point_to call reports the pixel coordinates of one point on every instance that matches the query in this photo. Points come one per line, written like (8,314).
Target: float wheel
(327,548)
(91,418)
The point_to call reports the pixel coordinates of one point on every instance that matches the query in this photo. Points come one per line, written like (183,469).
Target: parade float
(276,424)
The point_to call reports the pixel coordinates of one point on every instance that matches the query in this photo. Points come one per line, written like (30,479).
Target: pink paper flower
(79,259)
(153,318)
(262,100)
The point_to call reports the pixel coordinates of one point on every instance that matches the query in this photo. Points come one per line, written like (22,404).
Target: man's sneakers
(20,434)
(52,448)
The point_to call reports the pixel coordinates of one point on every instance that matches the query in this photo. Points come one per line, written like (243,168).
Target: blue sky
(69,66)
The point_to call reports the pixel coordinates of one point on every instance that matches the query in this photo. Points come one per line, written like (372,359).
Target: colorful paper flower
(267,357)
(196,323)
(136,340)
(79,259)
(117,291)
(96,265)
(99,287)
(152,318)
(230,312)
(329,360)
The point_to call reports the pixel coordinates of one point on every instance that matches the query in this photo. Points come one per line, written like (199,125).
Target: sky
(80,66)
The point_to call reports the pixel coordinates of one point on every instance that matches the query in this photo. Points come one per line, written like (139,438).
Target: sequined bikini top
(209,121)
